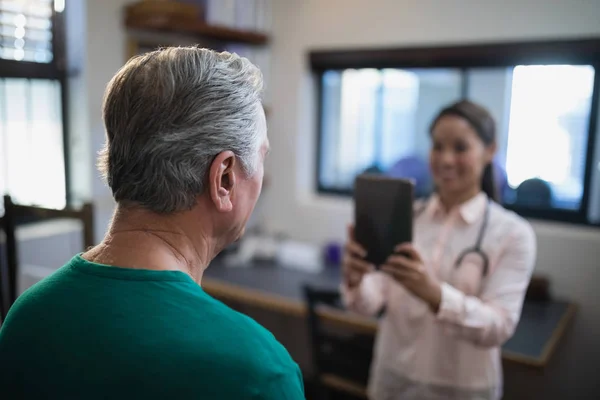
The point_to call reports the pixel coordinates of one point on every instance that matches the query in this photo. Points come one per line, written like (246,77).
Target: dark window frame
(550,52)
(54,70)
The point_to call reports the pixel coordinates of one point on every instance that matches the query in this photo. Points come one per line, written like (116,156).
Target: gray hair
(168,114)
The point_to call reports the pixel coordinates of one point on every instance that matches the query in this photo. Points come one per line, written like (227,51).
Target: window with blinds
(32,168)
(32,98)
(26,29)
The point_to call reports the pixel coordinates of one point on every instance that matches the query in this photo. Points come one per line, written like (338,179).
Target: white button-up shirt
(455,354)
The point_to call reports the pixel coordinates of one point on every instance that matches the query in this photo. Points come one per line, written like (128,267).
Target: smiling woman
(453,295)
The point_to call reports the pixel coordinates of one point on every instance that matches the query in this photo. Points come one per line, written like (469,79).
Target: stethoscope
(475,250)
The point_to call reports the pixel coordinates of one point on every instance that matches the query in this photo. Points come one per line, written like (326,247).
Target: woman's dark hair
(483,123)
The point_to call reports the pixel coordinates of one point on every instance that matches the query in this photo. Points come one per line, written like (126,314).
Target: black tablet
(383,214)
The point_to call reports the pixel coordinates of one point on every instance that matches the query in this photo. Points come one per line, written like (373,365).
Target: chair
(8,262)
(341,355)
(373,170)
(3,273)
(14,214)
(534,192)
(413,167)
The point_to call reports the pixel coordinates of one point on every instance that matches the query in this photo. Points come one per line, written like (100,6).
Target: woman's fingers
(402,268)
(399,274)
(354,264)
(355,249)
(353,245)
(409,250)
(354,269)
(354,278)
(358,265)
(351,232)
(402,262)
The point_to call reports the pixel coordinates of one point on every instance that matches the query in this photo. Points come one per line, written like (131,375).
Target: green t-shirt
(93,331)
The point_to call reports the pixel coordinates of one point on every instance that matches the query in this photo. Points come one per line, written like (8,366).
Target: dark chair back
(341,354)
(3,273)
(534,192)
(416,168)
(16,213)
(8,261)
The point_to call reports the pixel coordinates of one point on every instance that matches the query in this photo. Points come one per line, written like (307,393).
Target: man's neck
(141,239)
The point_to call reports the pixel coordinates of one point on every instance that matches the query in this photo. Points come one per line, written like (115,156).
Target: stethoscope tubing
(476,249)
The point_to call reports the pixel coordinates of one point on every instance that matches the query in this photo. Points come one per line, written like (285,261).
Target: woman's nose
(446,158)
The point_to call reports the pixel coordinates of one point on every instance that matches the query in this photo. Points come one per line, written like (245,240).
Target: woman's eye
(461,148)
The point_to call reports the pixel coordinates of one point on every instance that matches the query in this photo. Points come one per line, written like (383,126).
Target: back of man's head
(167,114)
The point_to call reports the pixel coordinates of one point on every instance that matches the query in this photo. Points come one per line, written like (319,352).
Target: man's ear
(222,180)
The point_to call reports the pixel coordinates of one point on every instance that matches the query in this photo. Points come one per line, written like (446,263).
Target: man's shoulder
(247,334)
(37,294)
(243,347)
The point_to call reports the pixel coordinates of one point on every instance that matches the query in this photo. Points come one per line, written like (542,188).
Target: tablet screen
(383,210)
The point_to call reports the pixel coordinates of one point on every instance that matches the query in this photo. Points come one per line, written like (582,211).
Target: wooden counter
(278,289)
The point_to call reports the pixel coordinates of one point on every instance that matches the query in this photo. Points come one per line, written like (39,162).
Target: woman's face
(458,157)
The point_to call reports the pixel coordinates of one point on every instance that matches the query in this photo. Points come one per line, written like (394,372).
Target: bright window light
(59,6)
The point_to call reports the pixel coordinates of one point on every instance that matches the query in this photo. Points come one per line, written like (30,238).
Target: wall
(106,53)
(568,254)
(80,157)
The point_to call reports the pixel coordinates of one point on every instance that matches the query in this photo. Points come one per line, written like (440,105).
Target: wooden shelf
(196,29)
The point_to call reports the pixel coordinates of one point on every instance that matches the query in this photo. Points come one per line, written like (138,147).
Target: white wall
(569,255)
(106,53)
(79,138)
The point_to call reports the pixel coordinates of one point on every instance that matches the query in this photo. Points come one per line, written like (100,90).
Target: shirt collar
(469,211)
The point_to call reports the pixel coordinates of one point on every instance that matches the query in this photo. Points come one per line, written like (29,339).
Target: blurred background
(351,86)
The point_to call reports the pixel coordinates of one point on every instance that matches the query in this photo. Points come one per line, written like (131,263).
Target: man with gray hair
(186,140)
